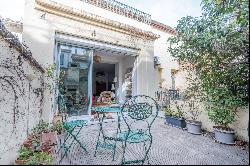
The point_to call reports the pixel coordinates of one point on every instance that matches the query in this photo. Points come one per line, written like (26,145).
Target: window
(62,59)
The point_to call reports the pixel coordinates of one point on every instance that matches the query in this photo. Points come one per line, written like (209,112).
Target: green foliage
(40,158)
(24,153)
(41,127)
(58,127)
(174,112)
(168,111)
(193,109)
(50,71)
(216,48)
(34,155)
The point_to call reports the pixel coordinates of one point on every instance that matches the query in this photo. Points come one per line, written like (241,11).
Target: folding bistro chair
(73,129)
(139,113)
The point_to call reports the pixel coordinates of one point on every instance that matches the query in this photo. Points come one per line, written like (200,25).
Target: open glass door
(76,79)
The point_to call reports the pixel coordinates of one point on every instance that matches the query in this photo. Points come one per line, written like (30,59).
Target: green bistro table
(73,129)
(102,138)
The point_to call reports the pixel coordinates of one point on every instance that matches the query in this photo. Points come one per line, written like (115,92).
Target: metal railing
(164,97)
(122,9)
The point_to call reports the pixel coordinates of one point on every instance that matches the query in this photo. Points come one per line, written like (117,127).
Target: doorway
(76,79)
(103,78)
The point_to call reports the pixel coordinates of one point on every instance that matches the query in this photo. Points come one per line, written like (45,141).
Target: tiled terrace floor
(171,146)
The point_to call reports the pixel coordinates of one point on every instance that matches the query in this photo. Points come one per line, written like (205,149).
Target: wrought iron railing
(122,9)
(164,97)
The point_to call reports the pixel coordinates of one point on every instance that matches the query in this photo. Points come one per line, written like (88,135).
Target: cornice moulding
(82,16)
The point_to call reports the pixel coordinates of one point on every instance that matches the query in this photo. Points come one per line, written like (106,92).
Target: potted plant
(59,129)
(222,109)
(193,125)
(40,158)
(175,117)
(24,155)
(42,127)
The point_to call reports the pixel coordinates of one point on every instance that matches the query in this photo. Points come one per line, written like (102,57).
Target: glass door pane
(76,85)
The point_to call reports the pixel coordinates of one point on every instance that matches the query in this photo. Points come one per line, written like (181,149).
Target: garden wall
(21,94)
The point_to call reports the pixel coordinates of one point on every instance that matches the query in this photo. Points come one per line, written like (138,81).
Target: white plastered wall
(21,101)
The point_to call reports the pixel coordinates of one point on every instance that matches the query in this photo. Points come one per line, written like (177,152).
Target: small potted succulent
(193,125)
(175,117)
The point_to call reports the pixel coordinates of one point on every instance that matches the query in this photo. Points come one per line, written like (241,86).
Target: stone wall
(21,95)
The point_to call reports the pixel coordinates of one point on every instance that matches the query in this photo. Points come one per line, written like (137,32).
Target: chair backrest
(139,112)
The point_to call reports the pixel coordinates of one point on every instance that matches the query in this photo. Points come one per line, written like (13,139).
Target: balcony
(122,9)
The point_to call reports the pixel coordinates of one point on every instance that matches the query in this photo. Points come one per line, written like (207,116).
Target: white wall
(21,101)
(104,13)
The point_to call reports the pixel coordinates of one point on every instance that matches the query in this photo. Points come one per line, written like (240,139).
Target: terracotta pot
(49,137)
(27,143)
(20,162)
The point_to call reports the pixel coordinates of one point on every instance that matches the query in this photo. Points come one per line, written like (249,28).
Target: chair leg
(147,151)
(96,148)
(146,155)
(114,150)
(124,146)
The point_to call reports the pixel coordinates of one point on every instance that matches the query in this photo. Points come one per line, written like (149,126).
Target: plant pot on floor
(176,122)
(193,127)
(224,135)
(21,162)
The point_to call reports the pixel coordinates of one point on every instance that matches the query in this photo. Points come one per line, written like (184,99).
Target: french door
(74,68)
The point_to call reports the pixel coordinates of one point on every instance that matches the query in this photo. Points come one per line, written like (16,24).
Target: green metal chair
(73,129)
(139,113)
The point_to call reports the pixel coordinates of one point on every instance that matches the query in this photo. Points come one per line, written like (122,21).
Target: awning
(94,45)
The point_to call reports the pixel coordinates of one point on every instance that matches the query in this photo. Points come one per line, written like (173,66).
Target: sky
(167,11)
(164,11)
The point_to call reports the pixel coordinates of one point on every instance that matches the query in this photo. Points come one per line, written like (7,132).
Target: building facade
(73,34)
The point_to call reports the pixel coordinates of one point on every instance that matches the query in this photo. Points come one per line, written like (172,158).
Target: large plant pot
(194,127)
(176,122)
(224,136)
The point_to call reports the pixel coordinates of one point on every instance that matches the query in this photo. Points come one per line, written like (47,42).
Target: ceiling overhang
(94,45)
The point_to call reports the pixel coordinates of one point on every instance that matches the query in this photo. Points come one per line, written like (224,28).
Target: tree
(215,46)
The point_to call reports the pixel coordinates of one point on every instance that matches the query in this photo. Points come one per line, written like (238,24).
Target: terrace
(171,146)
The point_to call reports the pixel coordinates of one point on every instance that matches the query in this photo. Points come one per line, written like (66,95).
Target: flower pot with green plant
(60,130)
(24,154)
(193,125)
(193,98)
(40,158)
(42,127)
(174,117)
(222,109)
